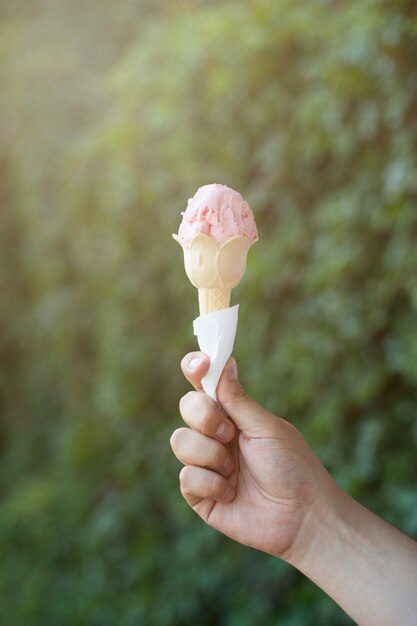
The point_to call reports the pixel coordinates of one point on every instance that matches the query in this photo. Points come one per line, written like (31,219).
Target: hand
(247,473)
(252,476)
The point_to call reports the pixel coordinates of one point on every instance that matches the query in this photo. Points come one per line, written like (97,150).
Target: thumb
(247,414)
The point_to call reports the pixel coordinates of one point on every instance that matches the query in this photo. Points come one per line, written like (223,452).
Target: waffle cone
(214,268)
(210,300)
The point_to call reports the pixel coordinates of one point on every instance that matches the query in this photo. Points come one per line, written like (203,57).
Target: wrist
(323,526)
(368,567)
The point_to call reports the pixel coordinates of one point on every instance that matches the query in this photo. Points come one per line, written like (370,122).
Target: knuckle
(176,438)
(239,393)
(173,439)
(238,397)
(196,408)
(185,402)
(184,476)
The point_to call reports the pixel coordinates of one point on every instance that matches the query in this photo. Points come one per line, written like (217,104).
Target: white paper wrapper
(216,335)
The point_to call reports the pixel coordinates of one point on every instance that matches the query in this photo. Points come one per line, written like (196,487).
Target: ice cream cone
(210,300)
(214,268)
(216,232)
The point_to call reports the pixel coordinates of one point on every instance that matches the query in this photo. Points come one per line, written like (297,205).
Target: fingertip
(195,365)
(229,494)
(225,432)
(231,369)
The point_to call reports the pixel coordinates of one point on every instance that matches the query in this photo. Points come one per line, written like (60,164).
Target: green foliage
(112,114)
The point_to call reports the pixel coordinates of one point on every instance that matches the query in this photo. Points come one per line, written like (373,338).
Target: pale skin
(253,477)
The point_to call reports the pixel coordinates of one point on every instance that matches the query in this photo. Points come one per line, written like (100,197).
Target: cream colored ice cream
(216,233)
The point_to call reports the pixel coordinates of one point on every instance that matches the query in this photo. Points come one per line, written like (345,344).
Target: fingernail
(228,466)
(229,494)
(224,432)
(195,363)
(232,369)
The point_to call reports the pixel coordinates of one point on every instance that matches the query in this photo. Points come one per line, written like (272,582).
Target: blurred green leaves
(110,117)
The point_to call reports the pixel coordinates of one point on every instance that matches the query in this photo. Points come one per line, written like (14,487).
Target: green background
(111,115)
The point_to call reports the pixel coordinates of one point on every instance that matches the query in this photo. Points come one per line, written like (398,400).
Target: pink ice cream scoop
(220,212)
(216,232)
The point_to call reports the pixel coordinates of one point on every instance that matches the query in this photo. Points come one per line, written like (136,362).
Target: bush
(110,123)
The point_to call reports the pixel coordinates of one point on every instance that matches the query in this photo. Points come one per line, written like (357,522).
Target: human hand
(247,473)
(253,477)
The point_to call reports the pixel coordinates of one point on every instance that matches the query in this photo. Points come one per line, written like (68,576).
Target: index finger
(194,366)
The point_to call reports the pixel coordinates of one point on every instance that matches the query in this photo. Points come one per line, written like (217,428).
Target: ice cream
(216,233)
(220,212)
